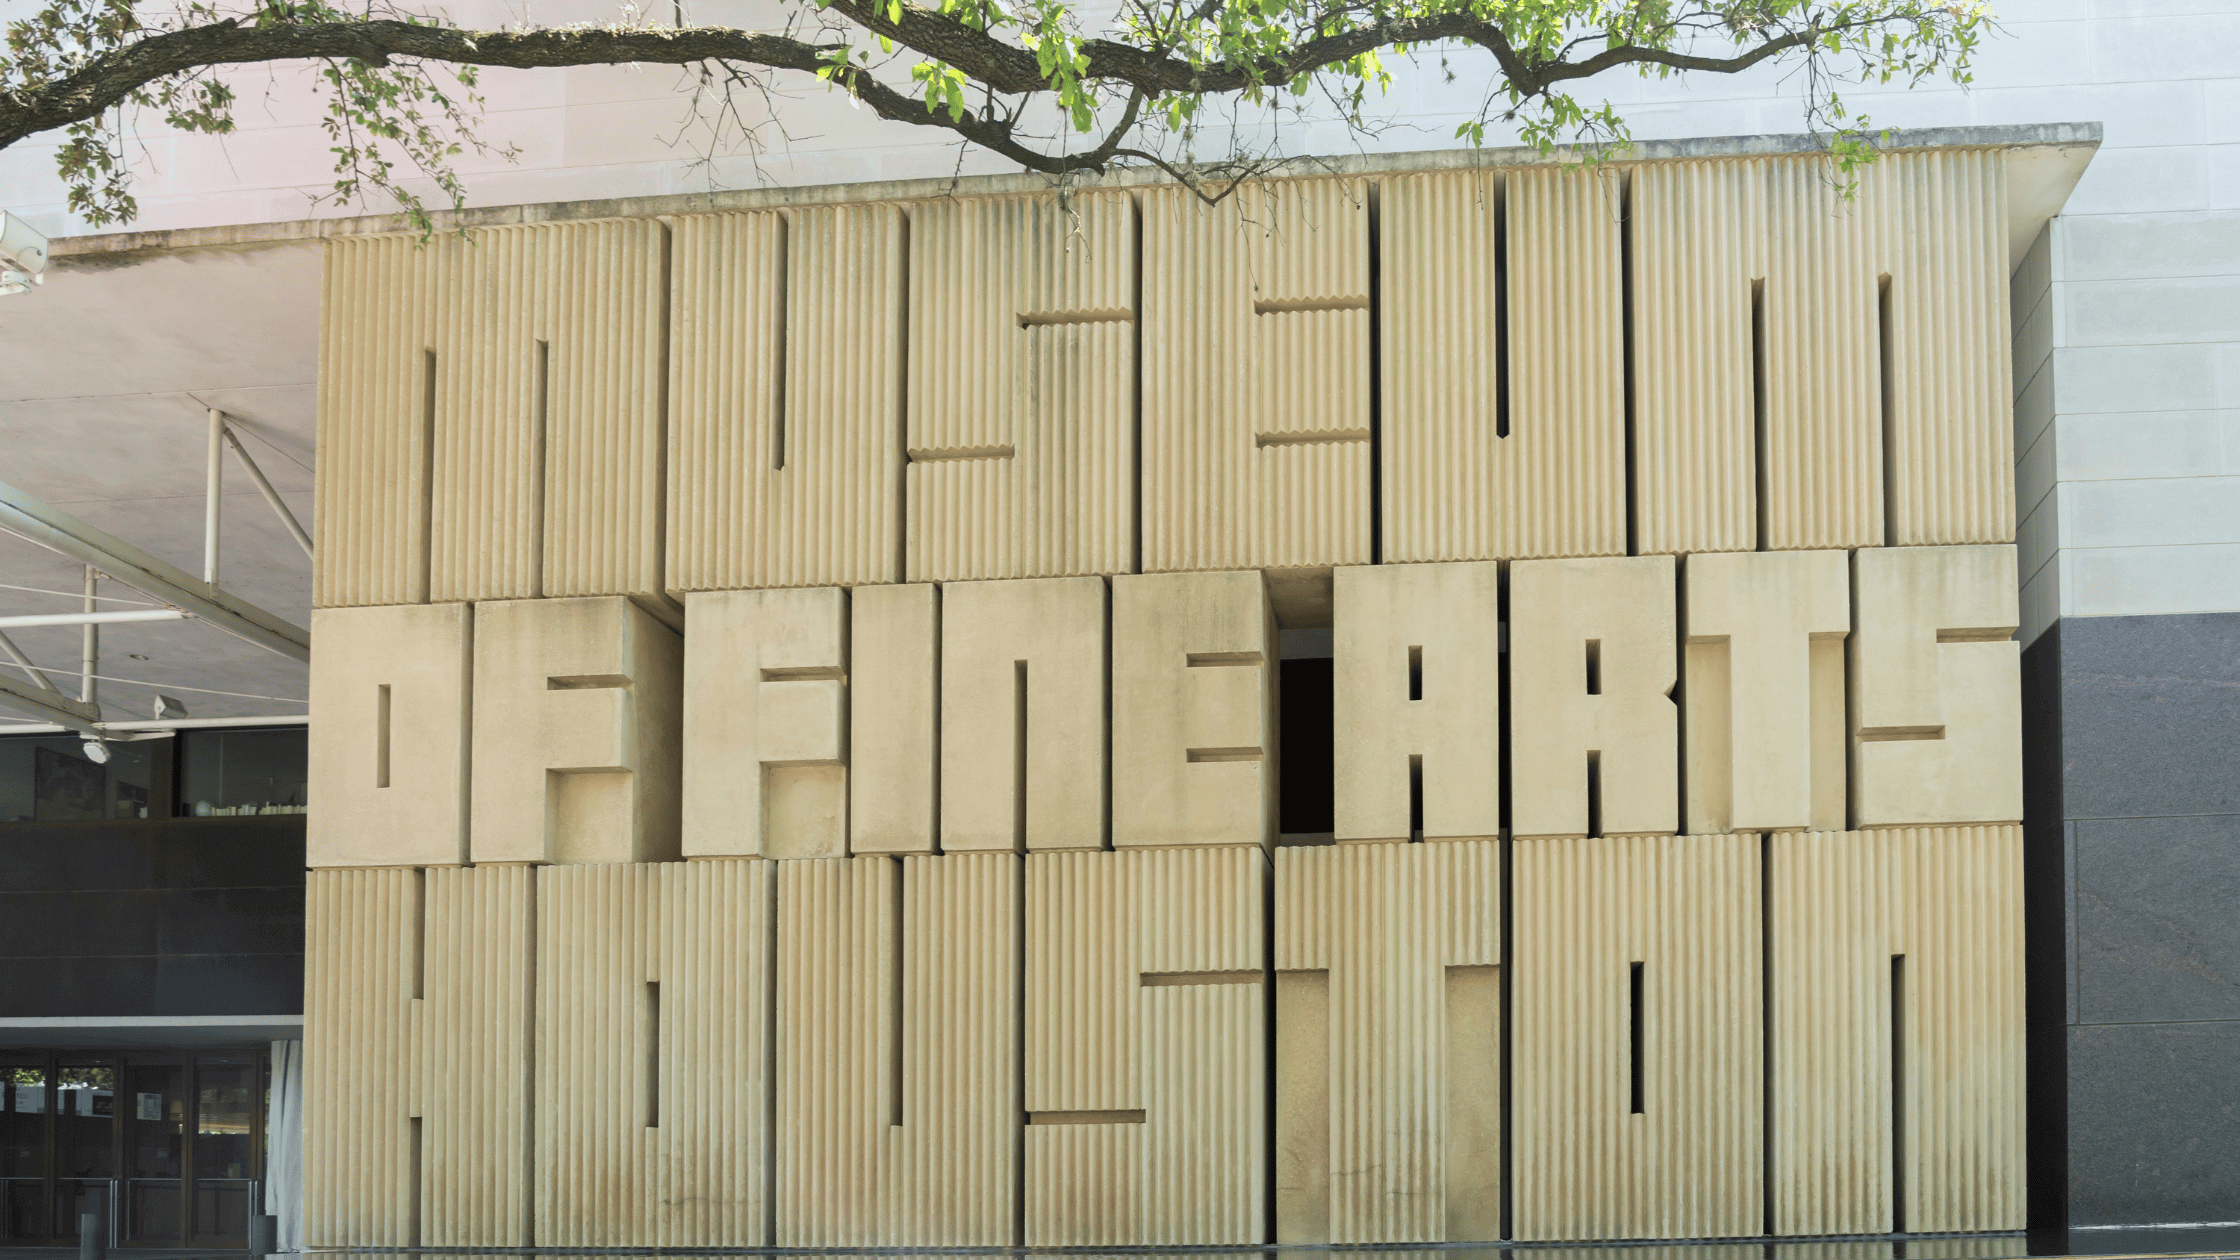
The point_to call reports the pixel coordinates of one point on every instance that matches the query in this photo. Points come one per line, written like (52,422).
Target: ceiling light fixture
(23,255)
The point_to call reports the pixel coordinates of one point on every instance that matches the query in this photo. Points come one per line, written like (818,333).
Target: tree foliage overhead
(1057,86)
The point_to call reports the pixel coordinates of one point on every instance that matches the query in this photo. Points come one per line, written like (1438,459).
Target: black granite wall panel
(176,917)
(2132,786)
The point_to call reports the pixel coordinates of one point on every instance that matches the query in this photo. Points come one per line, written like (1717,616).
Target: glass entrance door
(165,1148)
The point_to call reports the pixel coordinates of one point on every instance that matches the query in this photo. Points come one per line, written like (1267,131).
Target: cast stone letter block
(1936,687)
(654,1131)
(1146,1037)
(1416,708)
(897,1112)
(1193,721)
(1388,1043)
(388,756)
(576,725)
(766,723)
(894,649)
(1592,668)
(1023,715)
(1637,1054)
(1896,994)
(1765,690)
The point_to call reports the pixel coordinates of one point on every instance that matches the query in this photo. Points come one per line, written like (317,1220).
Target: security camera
(23,255)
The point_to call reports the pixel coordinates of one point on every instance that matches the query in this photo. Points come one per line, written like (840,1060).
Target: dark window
(224,773)
(49,778)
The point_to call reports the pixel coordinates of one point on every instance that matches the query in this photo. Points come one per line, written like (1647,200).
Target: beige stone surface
(1896,973)
(377,324)
(1194,660)
(417,1056)
(898,1038)
(1476,467)
(654,1133)
(1865,331)
(1595,733)
(1936,687)
(524,369)
(476,1080)
(766,723)
(361,1145)
(1765,690)
(1023,715)
(1256,384)
(577,714)
(1430,631)
(1388,1043)
(894,645)
(787,351)
(1690,1162)
(388,738)
(1022,386)
(1146,1035)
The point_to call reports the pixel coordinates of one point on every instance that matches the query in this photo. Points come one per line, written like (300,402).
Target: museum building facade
(1438,701)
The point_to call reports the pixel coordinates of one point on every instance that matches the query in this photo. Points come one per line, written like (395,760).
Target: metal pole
(92,618)
(213,494)
(91,657)
(271,495)
(15,654)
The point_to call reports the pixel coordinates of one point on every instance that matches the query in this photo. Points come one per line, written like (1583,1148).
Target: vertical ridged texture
(701,932)
(1712,241)
(1022,387)
(1256,377)
(378,301)
(1697,232)
(474,1056)
(360,930)
(1690,1164)
(1556,484)
(400,523)
(947,1174)
(1952,433)
(1190,1056)
(786,377)
(1386,921)
(1949,899)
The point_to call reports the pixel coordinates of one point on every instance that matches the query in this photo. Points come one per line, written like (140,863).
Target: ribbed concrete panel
(653,1008)
(476,1082)
(1839,336)
(597,1028)
(718,952)
(543,414)
(1897,1030)
(786,371)
(361,956)
(1145,1032)
(1817,311)
(1696,231)
(1391,925)
(1689,1162)
(1951,431)
(898,1101)
(1456,487)
(377,324)
(1256,377)
(1022,387)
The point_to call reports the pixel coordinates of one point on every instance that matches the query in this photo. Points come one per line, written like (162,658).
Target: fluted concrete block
(577,714)
(1194,659)
(388,739)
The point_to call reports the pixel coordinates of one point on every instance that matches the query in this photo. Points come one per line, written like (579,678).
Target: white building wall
(2128,419)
